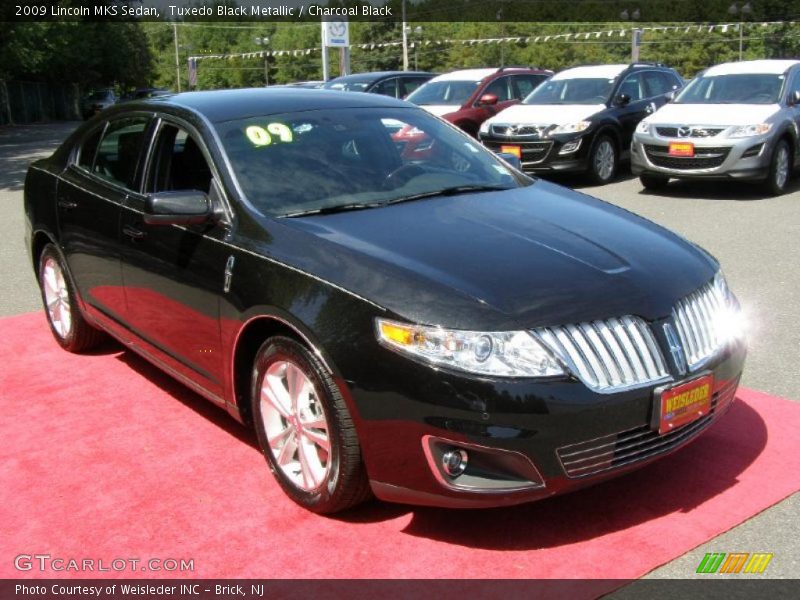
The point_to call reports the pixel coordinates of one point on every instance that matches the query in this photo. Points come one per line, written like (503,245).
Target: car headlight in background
(749,130)
(498,354)
(643,127)
(484,127)
(571,127)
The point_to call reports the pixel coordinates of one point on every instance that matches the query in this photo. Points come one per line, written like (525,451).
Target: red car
(467,98)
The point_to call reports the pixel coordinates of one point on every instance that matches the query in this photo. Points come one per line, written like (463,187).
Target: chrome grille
(620,449)
(514,130)
(697,319)
(697,132)
(608,355)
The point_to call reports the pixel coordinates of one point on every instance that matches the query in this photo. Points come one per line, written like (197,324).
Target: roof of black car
(227,105)
(375,75)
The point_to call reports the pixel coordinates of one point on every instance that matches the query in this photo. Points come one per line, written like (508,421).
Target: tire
(321,480)
(603,160)
(780,169)
(67,324)
(654,182)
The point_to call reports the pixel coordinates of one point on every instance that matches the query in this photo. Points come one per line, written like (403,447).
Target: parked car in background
(581,119)
(431,326)
(467,98)
(305,84)
(96,101)
(396,84)
(142,93)
(734,121)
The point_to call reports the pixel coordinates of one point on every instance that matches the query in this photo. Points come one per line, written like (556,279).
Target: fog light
(454,462)
(570,147)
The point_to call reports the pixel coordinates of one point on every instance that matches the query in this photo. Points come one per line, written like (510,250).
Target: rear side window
(386,88)
(88,148)
(118,154)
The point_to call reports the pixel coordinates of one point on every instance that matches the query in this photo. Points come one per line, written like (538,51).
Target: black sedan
(394,308)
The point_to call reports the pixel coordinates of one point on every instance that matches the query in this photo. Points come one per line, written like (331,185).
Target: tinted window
(740,88)
(178,163)
(118,154)
(89,148)
(412,83)
(387,87)
(526,84)
(449,93)
(499,88)
(657,83)
(632,87)
(296,162)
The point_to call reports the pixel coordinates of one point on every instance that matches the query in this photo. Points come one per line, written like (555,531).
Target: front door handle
(67,204)
(133,233)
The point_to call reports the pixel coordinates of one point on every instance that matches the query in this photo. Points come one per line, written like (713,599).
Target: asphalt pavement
(754,236)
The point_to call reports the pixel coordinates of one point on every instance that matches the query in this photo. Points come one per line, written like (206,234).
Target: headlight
(730,321)
(571,127)
(484,127)
(498,354)
(643,127)
(749,130)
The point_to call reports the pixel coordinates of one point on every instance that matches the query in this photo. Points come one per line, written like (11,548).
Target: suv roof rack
(643,63)
(506,67)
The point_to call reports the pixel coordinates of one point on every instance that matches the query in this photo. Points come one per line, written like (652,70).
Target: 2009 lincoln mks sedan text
(394,308)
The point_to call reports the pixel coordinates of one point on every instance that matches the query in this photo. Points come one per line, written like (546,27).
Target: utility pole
(177,60)
(405,38)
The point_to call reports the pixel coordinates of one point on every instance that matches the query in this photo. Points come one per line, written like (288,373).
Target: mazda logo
(684,131)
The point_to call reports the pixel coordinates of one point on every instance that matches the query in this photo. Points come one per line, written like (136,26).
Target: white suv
(733,121)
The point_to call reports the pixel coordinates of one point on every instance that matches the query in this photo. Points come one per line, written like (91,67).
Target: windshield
(740,88)
(448,93)
(572,91)
(347,86)
(317,160)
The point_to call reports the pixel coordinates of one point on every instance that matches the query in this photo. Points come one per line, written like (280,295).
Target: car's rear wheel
(780,169)
(69,327)
(305,430)
(603,160)
(653,182)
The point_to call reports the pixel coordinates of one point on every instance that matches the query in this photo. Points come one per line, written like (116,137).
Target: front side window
(632,87)
(583,90)
(739,88)
(446,93)
(293,163)
(178,163)
(387,87)
(119,150)
(526,84)
(499,88)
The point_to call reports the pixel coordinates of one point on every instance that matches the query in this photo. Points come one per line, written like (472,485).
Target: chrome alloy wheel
(295,424)
(604,160)
(782,166)
(56,297)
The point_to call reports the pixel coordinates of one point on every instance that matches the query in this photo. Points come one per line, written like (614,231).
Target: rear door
(91,199)
(174,276)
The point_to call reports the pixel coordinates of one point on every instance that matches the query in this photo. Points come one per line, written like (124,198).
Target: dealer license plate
(681,149)
(515,150)
(684,403)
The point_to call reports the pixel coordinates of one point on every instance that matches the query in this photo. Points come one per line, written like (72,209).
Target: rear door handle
(67,204)
(133,233)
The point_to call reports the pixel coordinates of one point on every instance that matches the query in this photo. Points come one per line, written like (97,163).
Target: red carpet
(104,457)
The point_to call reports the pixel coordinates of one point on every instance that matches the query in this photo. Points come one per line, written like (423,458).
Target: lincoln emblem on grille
(675,348)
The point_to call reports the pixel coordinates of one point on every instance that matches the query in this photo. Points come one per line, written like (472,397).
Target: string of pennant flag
(528,39)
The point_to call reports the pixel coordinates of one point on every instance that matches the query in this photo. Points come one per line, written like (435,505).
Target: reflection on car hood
(498,260)
(440,110)
(713,114)
(547,114)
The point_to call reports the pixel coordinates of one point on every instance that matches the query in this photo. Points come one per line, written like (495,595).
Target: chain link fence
(30,102)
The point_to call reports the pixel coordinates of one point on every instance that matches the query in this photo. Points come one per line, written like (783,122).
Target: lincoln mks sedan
(396,310)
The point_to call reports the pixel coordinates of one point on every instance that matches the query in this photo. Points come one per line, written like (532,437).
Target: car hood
(713,114)
(440,110)
(539,255)
(547,114)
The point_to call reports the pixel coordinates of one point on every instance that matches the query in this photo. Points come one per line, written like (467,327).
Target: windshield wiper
(329,210)
(450,191)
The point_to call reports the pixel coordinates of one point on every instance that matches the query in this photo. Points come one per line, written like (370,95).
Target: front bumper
(556,435)
(543,155)
(715,157)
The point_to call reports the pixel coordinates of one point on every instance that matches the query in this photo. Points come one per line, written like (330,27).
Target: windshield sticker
(260,136)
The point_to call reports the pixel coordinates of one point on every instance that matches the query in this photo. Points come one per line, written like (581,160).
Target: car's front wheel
(603,160)
(780,169)
(69,327)
(305,430)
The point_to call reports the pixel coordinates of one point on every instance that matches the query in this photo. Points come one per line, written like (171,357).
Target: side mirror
(185,207)
(794,98)
(669,96)
(511,159)
(622,100)
(487,100)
